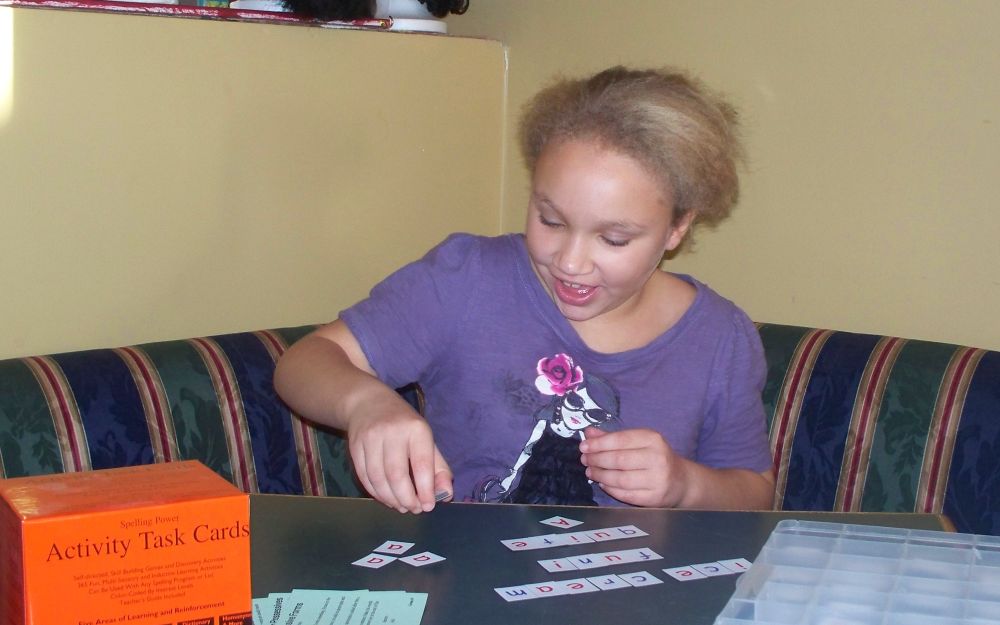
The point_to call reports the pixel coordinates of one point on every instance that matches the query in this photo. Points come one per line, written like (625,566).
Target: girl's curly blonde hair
(685,135)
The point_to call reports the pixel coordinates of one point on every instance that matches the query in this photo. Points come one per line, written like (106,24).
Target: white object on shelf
(259,5)
(423,26)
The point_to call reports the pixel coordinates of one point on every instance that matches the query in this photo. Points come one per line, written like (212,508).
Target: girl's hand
(635,466)
(326,377)
(395,456)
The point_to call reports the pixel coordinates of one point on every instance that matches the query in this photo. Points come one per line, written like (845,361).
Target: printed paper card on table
(340,607)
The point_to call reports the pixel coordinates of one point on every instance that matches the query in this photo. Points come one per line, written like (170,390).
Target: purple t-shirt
(509,384)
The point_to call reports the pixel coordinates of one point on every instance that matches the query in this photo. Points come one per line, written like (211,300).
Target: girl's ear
(679,230)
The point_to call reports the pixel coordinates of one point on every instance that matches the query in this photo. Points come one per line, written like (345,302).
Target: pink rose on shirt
(558,375)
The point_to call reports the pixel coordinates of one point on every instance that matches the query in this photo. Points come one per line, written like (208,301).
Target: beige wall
(164,178)
(872,200)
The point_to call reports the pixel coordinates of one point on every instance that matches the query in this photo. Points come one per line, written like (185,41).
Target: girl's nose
(573,259)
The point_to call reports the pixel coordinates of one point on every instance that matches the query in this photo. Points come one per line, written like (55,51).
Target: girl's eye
(616,242)
(549,224)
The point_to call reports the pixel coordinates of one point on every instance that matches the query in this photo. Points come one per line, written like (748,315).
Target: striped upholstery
(857,422)
(209,399)
(876,423)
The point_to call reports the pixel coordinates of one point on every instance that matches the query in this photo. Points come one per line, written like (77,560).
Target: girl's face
(598,226)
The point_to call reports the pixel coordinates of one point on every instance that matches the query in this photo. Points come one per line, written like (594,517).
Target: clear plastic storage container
(812,573)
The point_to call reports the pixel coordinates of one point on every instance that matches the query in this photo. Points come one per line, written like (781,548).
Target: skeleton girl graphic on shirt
(548,469)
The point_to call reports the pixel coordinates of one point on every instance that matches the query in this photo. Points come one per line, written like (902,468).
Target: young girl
(562,366)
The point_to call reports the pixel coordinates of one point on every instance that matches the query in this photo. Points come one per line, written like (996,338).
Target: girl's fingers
(443,487)
(421,459)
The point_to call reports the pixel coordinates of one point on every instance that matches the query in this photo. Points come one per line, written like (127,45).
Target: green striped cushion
(209,399)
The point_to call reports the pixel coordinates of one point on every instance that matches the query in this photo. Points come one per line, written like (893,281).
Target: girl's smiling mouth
(574,293)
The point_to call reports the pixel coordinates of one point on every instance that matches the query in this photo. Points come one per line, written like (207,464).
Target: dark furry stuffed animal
(328,10)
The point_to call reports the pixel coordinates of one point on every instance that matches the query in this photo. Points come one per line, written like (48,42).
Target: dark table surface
(310,542)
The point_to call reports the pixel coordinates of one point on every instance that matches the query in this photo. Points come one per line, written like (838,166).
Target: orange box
(159,544)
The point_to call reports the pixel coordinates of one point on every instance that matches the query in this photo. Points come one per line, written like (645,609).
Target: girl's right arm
(325,377)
